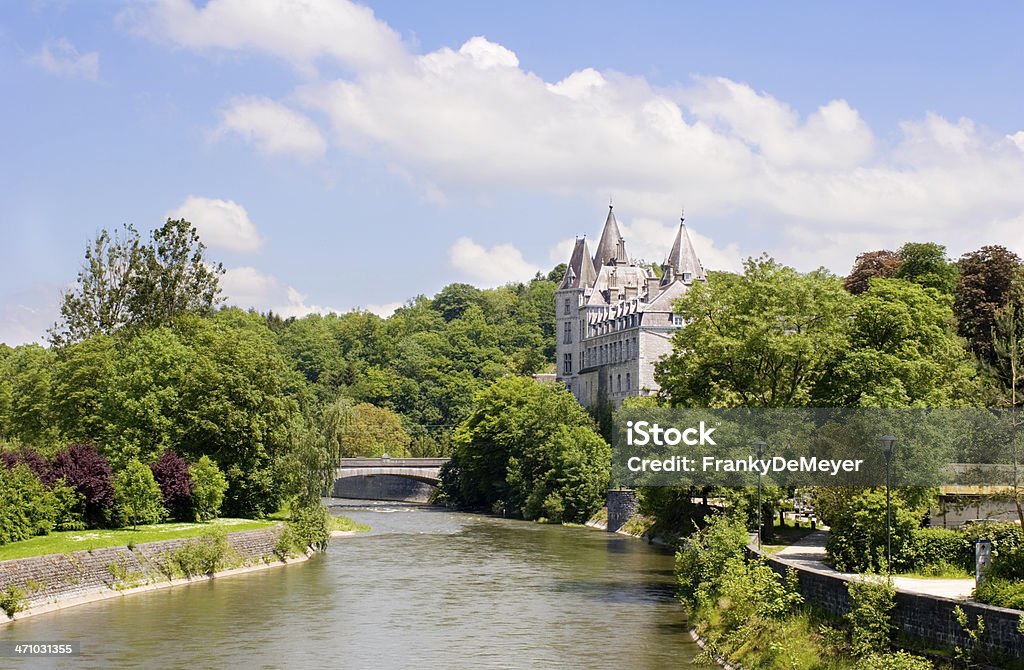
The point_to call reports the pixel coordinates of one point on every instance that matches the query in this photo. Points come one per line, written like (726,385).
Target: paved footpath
(809,552)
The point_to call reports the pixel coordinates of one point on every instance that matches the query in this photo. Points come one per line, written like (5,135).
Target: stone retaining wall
(60,577)
(919,616)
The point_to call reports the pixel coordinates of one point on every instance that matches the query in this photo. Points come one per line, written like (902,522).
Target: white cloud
(60,57)
(222,224)
(273,127)
(473,119)
(23,324)
(650,240)
(298,32)
(498,265)
(384,311)
(249,288)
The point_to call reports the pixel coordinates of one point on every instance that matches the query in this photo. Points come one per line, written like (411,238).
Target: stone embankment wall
(84,575)
(920,616)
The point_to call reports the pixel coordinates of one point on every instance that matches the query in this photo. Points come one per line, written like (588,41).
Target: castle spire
(682,258)
(580,273)
(611,246)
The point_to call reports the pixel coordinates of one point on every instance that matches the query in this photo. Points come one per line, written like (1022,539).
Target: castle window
(567,364)
(618,383)
(628,383)
(568,332)
(677,320)
(567,308)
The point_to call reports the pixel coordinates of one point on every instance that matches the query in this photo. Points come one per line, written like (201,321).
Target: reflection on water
(425,588)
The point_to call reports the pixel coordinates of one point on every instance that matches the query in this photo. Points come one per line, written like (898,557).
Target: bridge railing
(393,462)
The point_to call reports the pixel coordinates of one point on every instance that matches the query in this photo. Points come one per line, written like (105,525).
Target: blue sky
(338,155)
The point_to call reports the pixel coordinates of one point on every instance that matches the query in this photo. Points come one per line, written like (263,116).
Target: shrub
(309,526)
(172,474)
(12,600)
(29,457)
(137,495)
(1001,592)
(871,603)
(935,549)
(701,562)
(208,487)
(67,506)
(88,472)
(201,556)
(751,589)
(27,508)
(857,540)
(284,546)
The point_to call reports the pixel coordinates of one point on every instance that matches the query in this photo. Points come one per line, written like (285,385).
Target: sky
(337,155)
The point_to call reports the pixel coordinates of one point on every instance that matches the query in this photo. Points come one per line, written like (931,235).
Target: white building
(614,318)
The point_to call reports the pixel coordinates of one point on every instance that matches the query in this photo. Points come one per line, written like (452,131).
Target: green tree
(174,277)
(27,508)
(99,302)
(374,431)
(82,374)
(26,376)
(902,351)
(760,339)
(926,264)
(208,487)
(453,300)
(507,448)
(144,412)
(574,487)
(137,497)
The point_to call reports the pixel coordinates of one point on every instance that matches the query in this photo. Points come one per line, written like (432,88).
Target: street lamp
(759,446)
(887,442)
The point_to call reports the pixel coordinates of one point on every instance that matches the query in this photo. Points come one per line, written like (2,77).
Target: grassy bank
(346,525)
(62,542)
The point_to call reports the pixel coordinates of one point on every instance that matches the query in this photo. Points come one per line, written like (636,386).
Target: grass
(62,542)
(345,524)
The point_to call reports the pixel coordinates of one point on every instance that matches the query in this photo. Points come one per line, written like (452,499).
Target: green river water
(427,588)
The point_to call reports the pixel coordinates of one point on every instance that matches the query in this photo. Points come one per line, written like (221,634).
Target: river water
(427,588)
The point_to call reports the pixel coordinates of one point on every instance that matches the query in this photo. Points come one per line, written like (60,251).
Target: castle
(614,318)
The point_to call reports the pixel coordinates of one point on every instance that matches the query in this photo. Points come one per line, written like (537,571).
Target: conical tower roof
(580,273)
(682,258)
(611,246)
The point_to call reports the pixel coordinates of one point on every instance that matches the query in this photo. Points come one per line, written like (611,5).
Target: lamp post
(759,446)
(887,442)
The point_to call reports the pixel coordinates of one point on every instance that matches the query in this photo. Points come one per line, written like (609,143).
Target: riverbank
(32,586)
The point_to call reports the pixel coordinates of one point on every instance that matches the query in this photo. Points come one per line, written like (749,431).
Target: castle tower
(570,296)
(611,249)
(682,262)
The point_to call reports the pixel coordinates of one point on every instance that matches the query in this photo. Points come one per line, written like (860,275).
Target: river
(427,588)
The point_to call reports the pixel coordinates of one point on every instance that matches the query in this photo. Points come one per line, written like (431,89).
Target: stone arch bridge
(409,479)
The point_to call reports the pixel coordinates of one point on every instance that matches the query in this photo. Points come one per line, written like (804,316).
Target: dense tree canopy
(529,449)
(757,339)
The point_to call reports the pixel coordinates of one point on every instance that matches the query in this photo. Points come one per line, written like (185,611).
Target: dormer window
(687,276)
